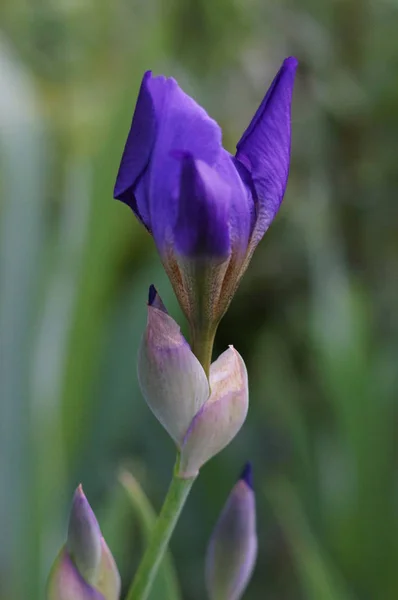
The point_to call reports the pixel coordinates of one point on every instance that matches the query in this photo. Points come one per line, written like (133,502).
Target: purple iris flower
(206,209)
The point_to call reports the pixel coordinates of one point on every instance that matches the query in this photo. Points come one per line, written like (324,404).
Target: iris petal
(185,128)
(241,204)
(130,187)
(264,148)
(202,225)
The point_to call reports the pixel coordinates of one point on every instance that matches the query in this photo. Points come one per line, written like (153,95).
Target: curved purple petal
(264,148)
(185,128)
(129,186)
(202,227)
(242,209)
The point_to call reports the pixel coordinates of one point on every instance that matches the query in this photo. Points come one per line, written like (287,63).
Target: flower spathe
(206,209)
(232,550)
(201,415)
(85,568)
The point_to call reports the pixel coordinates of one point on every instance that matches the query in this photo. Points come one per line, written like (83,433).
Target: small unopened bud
(201,415)
(232,550)
(84,537)
(85,568)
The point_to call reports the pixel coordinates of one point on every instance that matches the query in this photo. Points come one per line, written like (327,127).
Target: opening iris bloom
(206,209)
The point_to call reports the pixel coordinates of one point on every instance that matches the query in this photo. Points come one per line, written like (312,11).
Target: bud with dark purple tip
(84,537)
(201,414)
(85,568)
(232,551)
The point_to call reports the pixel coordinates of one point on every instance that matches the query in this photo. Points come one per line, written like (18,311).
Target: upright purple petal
(202,229)
(129,186)
(242,208)
(185,128)
(264,148)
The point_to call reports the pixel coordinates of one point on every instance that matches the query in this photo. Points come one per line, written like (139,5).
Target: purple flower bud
(85,568)
(84,537)
(206,209)
(201,415)
(232,550)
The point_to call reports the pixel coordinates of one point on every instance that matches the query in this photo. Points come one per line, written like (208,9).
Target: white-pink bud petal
(221,417)
(171,378)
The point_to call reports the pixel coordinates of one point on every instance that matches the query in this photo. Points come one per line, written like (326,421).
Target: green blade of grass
(319,578)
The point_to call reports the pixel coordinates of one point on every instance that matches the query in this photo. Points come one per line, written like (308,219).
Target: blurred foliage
(315,317)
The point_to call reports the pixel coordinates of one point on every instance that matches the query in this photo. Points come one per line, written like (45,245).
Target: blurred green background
(315,317)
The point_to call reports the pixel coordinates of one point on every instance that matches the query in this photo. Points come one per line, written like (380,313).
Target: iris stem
(160,537)
(202,347)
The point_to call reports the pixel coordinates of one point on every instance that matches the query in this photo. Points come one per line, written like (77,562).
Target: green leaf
(319,578)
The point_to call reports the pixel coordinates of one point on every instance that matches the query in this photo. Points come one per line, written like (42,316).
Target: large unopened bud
(85,568)
(201,415)
(232,551)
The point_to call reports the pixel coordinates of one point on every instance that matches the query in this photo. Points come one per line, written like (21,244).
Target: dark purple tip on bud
(247,475)
(152,294)
(155,300)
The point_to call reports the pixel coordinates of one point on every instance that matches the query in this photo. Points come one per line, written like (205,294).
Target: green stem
(161,534)
(202,340)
